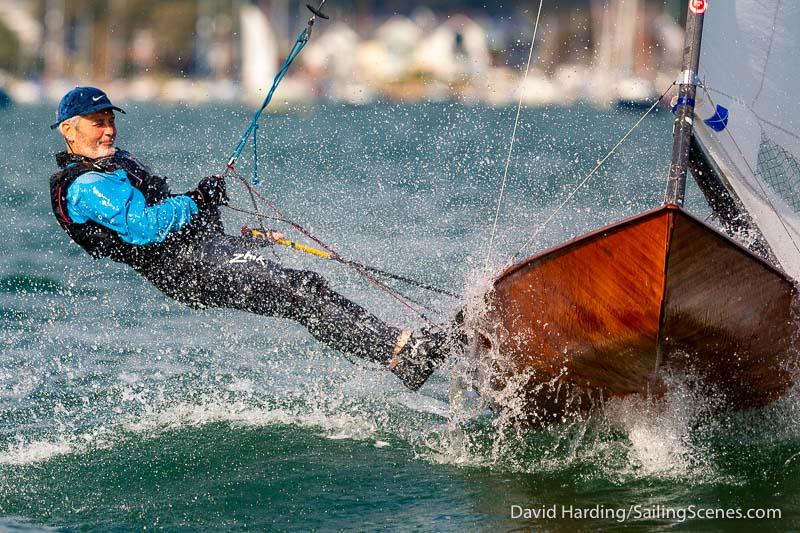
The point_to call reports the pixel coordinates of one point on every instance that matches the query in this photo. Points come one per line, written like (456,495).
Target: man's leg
(239,277)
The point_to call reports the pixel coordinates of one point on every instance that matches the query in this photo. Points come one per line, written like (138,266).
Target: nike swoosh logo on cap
(95,99)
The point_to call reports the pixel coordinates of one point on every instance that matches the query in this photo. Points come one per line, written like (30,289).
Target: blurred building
(193,50)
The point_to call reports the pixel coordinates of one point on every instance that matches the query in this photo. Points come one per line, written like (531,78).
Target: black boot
(420,357)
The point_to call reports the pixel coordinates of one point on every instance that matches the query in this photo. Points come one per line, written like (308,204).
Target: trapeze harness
(201,266)
(99,241)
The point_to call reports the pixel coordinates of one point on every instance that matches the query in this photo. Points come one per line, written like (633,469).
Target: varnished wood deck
(611,309)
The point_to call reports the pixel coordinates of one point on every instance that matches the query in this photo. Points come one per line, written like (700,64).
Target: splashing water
(113,415)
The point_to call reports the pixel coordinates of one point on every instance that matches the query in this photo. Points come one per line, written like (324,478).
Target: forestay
(750,65)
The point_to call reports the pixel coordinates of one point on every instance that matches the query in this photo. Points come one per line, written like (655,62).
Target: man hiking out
(114,207)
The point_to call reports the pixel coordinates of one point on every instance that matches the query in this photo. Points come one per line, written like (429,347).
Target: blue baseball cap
(82,101)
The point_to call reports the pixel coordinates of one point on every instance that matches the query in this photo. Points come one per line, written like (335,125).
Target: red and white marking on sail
(698,7)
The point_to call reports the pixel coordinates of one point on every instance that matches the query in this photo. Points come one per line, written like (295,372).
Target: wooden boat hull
(609,311)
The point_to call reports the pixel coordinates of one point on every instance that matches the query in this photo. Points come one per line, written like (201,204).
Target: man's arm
(110,200)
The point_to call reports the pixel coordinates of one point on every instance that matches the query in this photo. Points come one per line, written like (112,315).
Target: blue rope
(298,46)
(255,179)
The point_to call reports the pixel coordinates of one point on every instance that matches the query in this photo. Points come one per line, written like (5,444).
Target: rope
(357,267)
(327,255)
(513,138)
(592,173)
(252,129)
(255,181)
(297,47)
(258,214)
(255,213)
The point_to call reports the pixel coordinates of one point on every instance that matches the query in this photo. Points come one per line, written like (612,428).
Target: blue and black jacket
(115,207)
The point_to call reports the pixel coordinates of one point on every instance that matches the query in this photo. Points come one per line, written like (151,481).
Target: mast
(684,113)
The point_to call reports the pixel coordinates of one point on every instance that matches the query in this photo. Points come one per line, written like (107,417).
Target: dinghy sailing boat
(608,313)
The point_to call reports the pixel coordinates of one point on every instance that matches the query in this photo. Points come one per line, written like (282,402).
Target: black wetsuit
(201,266)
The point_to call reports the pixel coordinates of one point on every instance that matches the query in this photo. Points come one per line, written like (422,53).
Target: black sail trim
(724,201)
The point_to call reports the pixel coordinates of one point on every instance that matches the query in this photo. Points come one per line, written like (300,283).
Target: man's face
(91,135)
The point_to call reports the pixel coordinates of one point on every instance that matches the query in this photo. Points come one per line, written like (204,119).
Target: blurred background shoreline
(606,52)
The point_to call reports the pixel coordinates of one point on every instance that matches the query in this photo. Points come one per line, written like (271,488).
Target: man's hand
(269,235)
(274,236)
(210,193)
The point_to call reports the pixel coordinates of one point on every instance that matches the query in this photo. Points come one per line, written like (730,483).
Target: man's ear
(67,130)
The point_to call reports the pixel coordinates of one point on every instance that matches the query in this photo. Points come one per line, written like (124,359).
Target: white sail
(750,65)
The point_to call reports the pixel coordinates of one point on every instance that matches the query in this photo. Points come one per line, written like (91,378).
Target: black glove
(210,193)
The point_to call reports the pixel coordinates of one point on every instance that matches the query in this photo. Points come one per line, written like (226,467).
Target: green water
(120,409)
